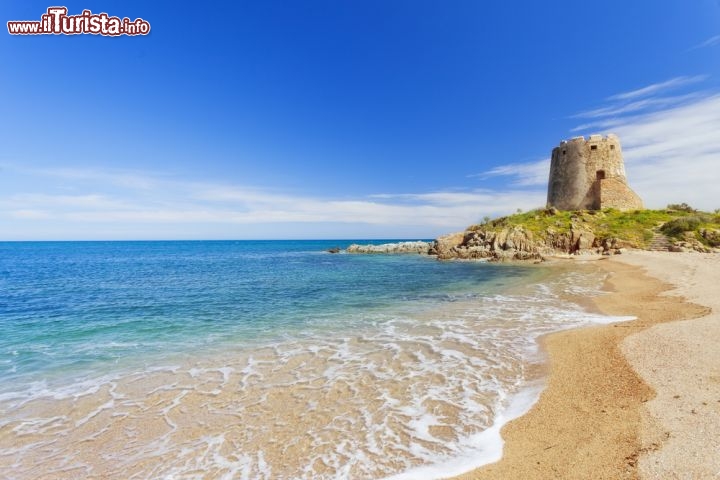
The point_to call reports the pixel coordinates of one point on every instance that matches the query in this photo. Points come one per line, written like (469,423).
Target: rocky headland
(549,232)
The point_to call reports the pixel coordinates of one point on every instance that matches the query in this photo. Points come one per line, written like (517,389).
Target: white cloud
(674,155)
(105,207)
(659,87)
(527,174)
(29,214)
(120,178)
(594,126)
(710,42)
(615,110)
(652,98)
(90,201)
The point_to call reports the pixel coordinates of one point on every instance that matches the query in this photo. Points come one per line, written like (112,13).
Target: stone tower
(590,175)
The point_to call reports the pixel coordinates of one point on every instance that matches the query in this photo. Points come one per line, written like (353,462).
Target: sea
(268,359)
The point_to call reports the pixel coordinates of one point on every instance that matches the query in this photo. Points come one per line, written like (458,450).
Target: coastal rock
(418,247)
(581,239)
(519,243)
(690,245)
(445,247)
(515,243)
(711,236)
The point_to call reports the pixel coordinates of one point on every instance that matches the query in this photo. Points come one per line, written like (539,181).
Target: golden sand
(595,420)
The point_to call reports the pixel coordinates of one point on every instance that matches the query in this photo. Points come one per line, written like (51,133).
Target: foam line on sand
(638,399)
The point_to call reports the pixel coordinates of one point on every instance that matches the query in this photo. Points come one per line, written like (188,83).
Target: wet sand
(638,399)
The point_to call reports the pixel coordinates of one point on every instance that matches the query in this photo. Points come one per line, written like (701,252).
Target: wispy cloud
(528,174)
(636,106)
(657,97)
(103,204)
(710,42)
(85,201)
(672,154)
(120,178)
(659,87)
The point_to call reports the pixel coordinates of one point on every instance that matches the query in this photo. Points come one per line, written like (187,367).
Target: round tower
(589,175)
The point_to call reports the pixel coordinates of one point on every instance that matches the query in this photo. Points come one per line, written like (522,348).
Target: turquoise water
(69,305)
(265,359)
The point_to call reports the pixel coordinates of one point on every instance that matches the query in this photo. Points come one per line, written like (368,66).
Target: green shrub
(678,226)
(681,207)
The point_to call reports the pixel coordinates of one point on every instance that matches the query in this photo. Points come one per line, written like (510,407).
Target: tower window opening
(564,152)
(601,174)
(593,147)
(612,147)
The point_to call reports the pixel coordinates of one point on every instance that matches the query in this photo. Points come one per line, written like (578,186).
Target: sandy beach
(638,399)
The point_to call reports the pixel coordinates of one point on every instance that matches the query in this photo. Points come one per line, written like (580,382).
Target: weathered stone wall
(568,183)
(577,170)
(616,194)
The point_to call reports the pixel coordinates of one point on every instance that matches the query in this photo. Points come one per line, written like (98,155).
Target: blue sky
(345,119)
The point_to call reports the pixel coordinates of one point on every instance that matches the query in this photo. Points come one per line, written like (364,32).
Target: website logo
(57,22)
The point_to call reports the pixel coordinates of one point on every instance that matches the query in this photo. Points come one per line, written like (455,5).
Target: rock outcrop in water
(400,247)
(508,244)
(513,243)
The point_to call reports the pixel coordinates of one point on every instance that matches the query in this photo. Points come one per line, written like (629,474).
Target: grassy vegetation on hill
(634,227)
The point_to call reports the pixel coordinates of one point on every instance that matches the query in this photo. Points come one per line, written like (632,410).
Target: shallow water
(265,359)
